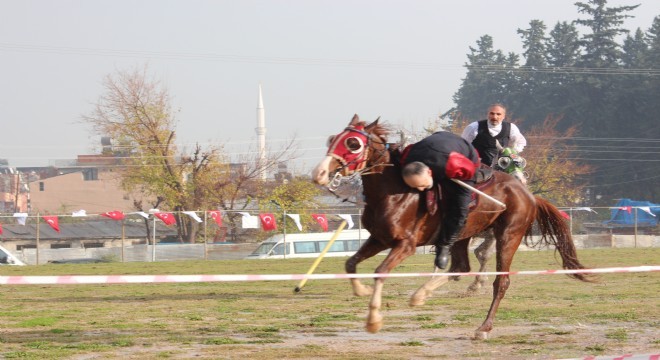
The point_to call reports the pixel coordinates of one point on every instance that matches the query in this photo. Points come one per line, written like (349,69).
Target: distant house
(90,182)
(89,189)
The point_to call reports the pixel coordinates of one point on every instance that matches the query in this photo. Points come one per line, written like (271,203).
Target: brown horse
(398,220)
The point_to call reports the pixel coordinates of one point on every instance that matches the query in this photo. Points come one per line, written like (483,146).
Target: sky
(318,62)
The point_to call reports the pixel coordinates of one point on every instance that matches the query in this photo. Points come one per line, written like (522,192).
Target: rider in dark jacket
(437,159)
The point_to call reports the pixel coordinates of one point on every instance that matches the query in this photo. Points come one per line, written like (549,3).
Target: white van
(310,245)
(7,258)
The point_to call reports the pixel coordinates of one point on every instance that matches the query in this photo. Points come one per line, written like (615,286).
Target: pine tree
(601,48)
(485,81)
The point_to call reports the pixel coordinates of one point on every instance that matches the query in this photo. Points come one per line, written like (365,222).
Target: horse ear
(354,121)
(372,124)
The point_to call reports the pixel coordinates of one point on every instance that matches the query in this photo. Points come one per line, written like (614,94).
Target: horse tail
(555,231)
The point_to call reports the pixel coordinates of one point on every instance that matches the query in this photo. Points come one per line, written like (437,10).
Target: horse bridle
(357,164)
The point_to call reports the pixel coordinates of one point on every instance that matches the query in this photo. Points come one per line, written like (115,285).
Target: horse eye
(331,138)
(354,144)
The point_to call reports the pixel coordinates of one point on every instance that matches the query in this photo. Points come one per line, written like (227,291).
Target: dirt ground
(520,342)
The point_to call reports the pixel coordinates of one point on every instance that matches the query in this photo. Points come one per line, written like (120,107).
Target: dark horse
(398,220)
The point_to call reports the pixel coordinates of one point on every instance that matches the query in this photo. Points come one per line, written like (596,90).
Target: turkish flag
(114,215)
(167,218)
(627,209)
(268,221)
(215,215)
(322,220)
(53,222)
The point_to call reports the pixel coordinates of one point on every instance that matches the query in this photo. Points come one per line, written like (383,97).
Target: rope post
(318,259)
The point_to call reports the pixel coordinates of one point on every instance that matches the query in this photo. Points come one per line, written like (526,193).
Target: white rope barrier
(142,279)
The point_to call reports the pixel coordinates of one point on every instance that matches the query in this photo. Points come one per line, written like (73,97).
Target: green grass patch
(46,321)
(266,320)
(618,334)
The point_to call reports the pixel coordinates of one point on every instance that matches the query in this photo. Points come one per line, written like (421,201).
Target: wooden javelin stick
(318,259)
(472,188)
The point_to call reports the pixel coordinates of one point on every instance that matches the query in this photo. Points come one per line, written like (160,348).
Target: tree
(534,44)
(563,48)
(560,94)
(296,196)
(552,172)
(135,111)
(486,81)
(533,79)
(601,48)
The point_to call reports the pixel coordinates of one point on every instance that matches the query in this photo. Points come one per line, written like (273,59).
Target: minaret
(261,134)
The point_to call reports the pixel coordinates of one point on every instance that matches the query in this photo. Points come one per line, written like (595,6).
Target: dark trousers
(456,202)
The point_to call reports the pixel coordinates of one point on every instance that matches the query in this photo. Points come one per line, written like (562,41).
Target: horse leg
(394,258)
(370,248)
(483,252)
(507,243)
(426,290)
(459,263)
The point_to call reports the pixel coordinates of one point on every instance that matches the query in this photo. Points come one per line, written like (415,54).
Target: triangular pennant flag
(217,216)
(322,220)
(141,213)
(114,215)
(586,209)
(626,208)
(53,222)
(268,221)
(564,214)
(349,220)
(167,218)
(79,213)
(20,218)
(193,215)
(248,221)
(647,209)
(296,219)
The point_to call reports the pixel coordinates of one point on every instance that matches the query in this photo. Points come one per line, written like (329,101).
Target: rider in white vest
(485,134)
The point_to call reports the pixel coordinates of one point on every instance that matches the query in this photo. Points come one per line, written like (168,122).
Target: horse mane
(380,130)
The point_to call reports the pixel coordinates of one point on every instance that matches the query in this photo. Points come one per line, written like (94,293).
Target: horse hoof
(419,298)
(363,291)
(473,288)
(368,292)
(416,301)
(374,327)
(481,335)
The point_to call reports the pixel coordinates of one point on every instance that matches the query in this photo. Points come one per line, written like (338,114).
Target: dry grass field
(541,317)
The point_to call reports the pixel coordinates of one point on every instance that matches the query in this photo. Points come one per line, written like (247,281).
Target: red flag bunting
(322,220)
(215,215)
(53,222)
(167,218)
(564,215)
(268,221)
(114,215)
(626,208)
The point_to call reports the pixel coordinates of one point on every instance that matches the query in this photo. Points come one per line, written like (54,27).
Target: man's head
(496,114)
(418,176)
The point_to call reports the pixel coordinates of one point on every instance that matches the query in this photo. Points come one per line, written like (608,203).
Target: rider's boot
(443,249)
